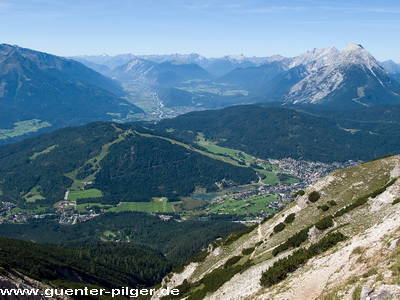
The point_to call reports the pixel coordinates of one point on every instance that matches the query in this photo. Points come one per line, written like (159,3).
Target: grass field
(109,233)
(191,204)
(23,127)
(33,195)
(37,210)
(209,87)
(214,148)
(251,205)
(84,207)
(270,171)
(156,205)
(90,193)
(271,179)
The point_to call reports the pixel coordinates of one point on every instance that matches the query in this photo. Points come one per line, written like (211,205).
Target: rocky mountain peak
(356,54)
(6,48)
(134,62)
(315,58)
(352,71)
(354,46)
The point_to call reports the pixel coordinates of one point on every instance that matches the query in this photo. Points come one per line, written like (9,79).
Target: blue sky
(211,28)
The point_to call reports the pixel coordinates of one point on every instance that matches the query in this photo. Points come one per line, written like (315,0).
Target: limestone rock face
(383,292)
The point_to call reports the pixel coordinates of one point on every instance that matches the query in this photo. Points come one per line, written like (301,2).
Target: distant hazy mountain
(271,79)
(102,69)
(61,92)
(221,66)
(216,66)
(392,68)
(110,62)
(331,78)
(136,69)
(224,65)
(167,74)
(192,58)
(328,77)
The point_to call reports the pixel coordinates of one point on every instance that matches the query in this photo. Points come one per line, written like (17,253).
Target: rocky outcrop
(383,292)
(11,281)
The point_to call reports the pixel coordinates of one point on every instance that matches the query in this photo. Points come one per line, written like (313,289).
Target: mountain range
(328,77)
(166,74)
(216,66)
(334,79)
(53,92)
(40,91)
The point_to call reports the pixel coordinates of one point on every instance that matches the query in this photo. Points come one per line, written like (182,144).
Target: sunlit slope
(340,237)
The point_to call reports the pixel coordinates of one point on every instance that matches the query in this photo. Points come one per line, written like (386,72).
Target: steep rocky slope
(346,230)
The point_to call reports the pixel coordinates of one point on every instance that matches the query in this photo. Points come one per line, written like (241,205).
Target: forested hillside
(125,162)
(107,265)
(178,241)
(40,91)
(279,132)
(140,168)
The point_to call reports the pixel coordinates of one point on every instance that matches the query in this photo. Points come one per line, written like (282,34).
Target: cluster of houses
(309,171)
(4,208)
(22,217)
(276,205)
(74,218)
(283,200)
(244,194)
(65,211)
(69,215)
(14,218)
